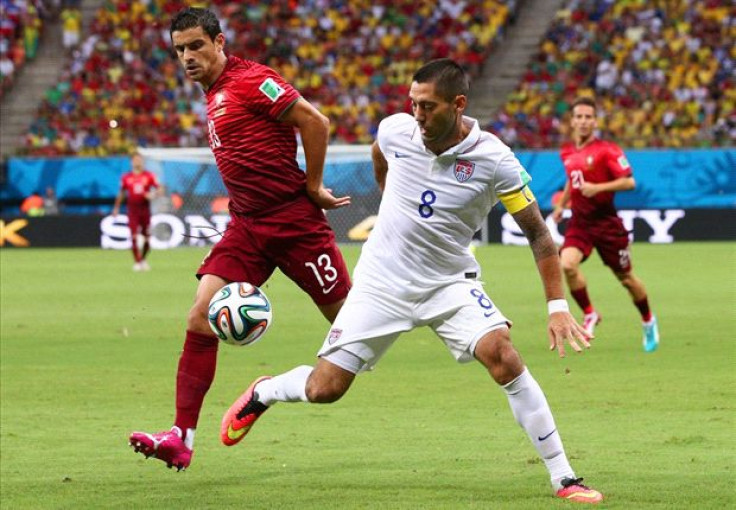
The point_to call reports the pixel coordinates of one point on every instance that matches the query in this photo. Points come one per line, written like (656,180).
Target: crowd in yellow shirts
(353,59)
(663,73)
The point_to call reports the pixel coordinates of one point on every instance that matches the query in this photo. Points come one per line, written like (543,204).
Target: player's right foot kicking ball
(573,490)
(166,446)
(241,416)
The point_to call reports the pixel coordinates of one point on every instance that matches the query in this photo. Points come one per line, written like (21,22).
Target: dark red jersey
(255,153)
(598,161)
(136,187)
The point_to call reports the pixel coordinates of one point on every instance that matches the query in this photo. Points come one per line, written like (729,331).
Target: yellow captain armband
(517,200)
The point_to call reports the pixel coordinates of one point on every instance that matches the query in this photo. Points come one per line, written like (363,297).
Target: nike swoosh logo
(156,442)
(236,434)
(328,290)
(545,437)
(398,155)
(582,494)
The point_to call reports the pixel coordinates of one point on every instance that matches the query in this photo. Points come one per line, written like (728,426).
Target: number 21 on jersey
(577,179)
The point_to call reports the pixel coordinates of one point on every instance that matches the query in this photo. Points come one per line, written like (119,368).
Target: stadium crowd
(20,32)
(353,59)
(663,72)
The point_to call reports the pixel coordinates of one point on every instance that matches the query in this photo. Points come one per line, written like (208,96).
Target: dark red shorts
(139,221)
(608,236)
(297,239)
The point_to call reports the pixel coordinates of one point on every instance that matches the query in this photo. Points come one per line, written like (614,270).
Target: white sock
(532,412)
(189,439)
(287,387)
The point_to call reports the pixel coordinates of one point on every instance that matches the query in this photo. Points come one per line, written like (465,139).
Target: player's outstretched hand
(563,326)
(589,189)
(324,198)
(557,215)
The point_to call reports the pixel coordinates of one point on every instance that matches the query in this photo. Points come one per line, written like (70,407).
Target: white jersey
(433,205)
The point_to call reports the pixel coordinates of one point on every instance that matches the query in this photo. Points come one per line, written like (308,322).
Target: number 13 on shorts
(324,272)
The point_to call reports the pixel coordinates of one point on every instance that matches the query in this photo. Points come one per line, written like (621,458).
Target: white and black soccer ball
(240,313)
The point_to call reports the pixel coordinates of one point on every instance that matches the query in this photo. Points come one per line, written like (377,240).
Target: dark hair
(192,17)
(583,100)
(449,78)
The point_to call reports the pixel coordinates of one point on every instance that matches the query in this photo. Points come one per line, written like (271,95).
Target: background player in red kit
(595,170)
(138,187)
(276,209)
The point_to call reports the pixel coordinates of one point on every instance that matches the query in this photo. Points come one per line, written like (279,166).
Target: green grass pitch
(89,352)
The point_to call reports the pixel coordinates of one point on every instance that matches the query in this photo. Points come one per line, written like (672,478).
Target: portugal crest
(463,170)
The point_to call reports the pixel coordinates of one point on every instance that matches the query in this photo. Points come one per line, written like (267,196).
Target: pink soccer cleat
(166,446)
(242,415)
(590,321)
(573,490)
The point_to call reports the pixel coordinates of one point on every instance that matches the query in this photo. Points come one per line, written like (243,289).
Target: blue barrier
(70,177)
(692,178)
(665,179)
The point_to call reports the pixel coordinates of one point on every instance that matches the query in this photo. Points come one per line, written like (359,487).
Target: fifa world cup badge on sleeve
(271,89)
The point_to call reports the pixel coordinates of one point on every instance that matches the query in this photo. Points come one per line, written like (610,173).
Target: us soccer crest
(334,335)
(463,170)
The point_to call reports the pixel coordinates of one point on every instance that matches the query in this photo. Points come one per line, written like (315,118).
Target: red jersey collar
(229,63)
(592,140)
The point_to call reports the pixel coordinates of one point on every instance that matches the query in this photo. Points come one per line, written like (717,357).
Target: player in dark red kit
(138,187)
(595,170)
(276,208)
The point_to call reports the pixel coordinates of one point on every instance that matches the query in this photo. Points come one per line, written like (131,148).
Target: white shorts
(460,313)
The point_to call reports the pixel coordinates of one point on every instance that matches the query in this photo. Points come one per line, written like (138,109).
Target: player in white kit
(440,176)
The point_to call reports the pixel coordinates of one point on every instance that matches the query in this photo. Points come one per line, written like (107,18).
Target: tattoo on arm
(535,229)
(543,247)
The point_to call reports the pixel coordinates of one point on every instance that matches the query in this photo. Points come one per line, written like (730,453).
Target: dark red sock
(643,306)
(581,298)
(193,379)
(136,253)
(146,248)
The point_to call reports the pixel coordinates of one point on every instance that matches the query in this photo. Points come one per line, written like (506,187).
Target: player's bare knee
(495,349)
(197,319)
(508,357)
(328,383)
(626,279)
(570,268)
(321,391)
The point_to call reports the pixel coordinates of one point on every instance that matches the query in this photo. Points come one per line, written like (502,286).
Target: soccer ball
(240,313)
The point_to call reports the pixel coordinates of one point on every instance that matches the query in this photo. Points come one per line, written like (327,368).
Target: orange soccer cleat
(573,490)
(241,416)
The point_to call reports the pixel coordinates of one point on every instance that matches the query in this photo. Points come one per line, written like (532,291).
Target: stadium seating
(663,73)
(353,59)
(20,32)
